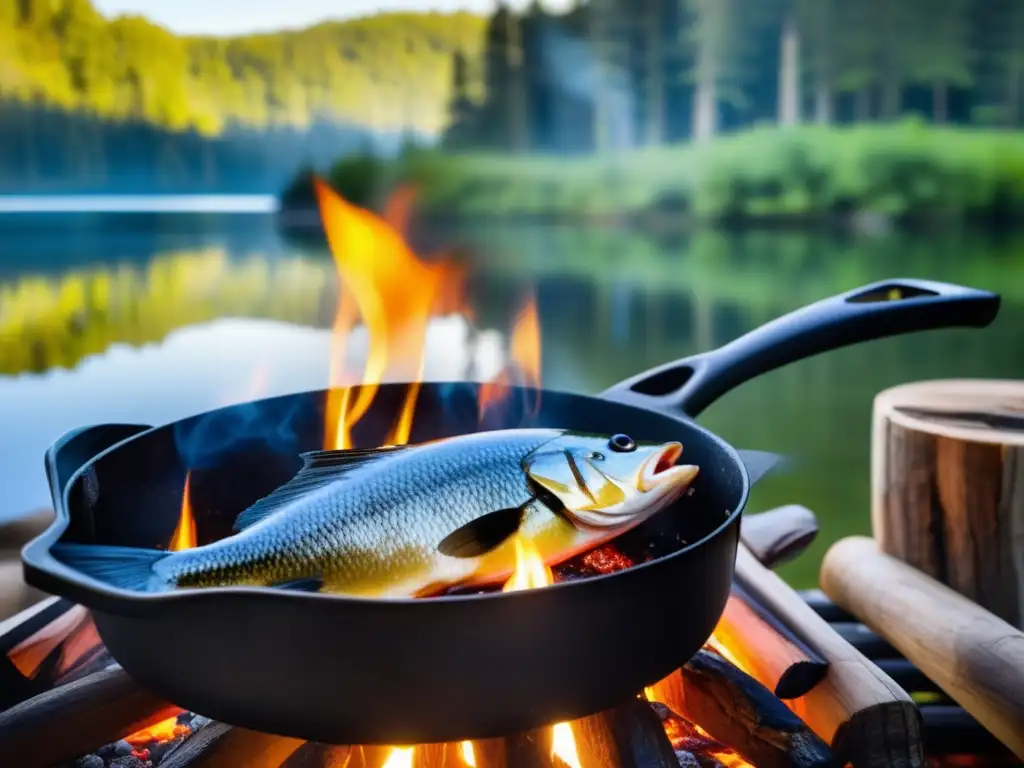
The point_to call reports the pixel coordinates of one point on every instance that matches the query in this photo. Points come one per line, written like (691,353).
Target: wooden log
(76,718)
(779,535)
(219,745)
(313,754)
(860,711)
(761,644)
(822,606)
(693,748)
(736,710)
(947,470)
(628,736)
(973,655)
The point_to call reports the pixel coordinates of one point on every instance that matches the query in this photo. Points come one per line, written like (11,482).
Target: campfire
(755,695)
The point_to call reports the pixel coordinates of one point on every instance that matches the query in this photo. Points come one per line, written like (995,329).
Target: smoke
(574,67)
(273,424)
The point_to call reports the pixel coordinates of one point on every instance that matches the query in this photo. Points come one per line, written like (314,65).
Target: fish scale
(413,521)
(375,524)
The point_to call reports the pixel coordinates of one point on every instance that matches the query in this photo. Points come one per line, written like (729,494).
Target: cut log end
(948,486)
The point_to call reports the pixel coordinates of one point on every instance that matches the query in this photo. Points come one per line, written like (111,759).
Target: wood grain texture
(947,470)
(866,717)
(973,655)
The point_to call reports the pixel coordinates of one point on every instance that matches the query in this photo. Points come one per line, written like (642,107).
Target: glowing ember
(607,559)
(400,757)
(468,755)
(730,759)
(394,293)
(165,730)
(184,536)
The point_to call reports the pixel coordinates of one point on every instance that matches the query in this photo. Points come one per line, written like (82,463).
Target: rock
(90,761)
(122,748)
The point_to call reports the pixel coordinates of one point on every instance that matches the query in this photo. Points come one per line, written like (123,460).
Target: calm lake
(148,317)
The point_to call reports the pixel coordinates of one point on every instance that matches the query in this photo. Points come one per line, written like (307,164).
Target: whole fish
(415,520)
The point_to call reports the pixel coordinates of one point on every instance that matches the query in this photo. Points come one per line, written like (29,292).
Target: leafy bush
(909,171)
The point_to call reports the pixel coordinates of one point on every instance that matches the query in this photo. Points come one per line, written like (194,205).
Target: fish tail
(123,567)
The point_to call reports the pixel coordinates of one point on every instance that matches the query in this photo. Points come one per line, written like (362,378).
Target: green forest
(928,95)
(89,103)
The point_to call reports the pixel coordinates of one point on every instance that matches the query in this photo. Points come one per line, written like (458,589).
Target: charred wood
(219,745)
(775,655)
(736,710)
(629,736)
(69,721)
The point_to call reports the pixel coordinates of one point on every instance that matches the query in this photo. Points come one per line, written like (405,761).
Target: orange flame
(531,572)
(394,293)
(399,757)
(468,753)
(165,730)
(524,361)
(184,536)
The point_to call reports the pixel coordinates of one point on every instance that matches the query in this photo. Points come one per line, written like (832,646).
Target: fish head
(607,482)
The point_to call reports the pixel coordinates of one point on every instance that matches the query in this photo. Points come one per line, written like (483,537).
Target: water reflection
(171,331)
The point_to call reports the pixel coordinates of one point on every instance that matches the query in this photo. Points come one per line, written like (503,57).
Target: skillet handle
(72,450)
(885,308)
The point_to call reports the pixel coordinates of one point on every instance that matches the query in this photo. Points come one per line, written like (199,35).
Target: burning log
(629,736)
(313,754)
(779,535)
(976,657)
(68,721)
(219,745)
(762,644)
(734,709)
(866,717)
(948,486)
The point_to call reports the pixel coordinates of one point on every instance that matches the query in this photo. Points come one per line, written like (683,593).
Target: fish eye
(597,456)
(622,443)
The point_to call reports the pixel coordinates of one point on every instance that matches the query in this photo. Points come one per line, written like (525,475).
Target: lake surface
(149,317)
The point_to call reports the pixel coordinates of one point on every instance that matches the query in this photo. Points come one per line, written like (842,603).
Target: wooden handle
(973,655)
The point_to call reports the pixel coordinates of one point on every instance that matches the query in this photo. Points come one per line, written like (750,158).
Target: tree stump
(947,478)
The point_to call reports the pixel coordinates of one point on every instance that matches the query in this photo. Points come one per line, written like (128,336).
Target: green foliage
(387,71)
(906,170)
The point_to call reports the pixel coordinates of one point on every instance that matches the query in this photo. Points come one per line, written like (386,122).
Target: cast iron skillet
(345,670)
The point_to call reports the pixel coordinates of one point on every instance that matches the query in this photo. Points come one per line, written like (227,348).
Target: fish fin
(347,458)
(320,468)
(313,584)
(123,567)
(483,534)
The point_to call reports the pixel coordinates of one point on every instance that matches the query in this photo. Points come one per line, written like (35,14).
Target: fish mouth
(661,469)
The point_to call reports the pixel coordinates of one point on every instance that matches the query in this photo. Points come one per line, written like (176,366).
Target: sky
(226,17)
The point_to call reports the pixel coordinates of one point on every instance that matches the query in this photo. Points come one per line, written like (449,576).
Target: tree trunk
(823,102)
(655,75)
(600,95)
(789,73)
(940,102)
(517,108)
